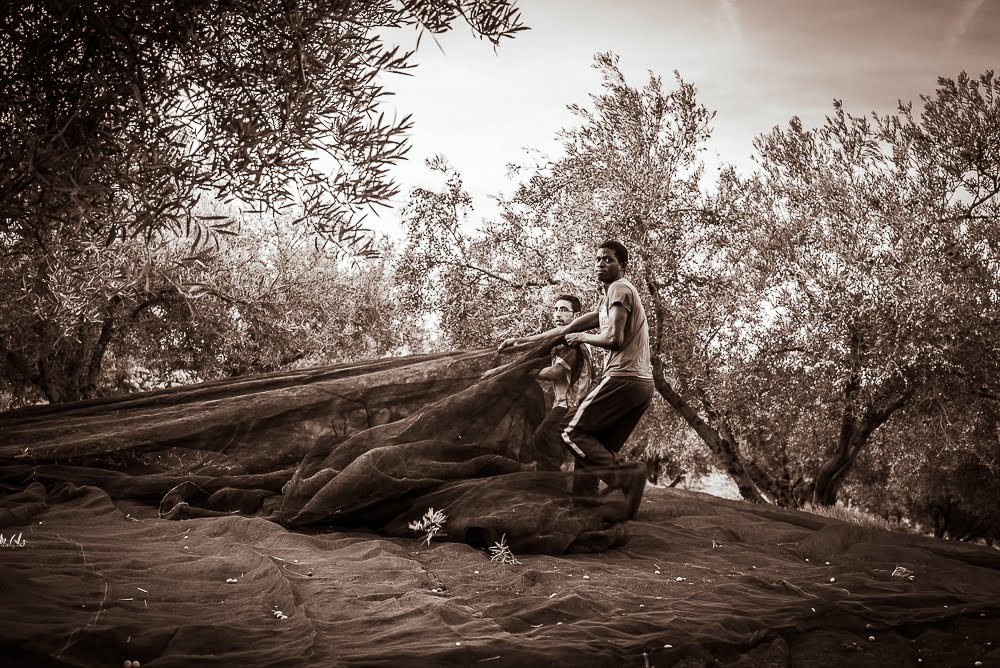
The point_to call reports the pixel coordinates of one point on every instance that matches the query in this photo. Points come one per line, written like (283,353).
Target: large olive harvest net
(373,445)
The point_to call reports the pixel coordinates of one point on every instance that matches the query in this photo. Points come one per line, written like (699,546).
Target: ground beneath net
(701,582)
(264,521)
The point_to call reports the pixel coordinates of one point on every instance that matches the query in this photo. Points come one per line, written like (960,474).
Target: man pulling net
(596,431)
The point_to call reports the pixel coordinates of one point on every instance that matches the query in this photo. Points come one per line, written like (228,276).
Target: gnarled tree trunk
(724,450)
(855,433)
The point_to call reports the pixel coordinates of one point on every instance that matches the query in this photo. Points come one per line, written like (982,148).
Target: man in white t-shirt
(570,373)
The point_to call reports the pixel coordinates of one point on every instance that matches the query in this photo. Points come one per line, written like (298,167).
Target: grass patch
(860,517)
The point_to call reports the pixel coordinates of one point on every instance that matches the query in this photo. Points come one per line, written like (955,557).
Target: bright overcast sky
(755,62)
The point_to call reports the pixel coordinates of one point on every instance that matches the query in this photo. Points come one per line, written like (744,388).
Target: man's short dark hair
(618,248)
(573,300)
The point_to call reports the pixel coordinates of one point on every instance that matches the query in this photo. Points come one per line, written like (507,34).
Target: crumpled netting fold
(373,445)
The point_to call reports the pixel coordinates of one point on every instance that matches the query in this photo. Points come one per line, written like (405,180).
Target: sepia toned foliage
(271,300)
(938,467)
(120,116)
(795,313)
(137,314)
(62,309)
(139,136)
(879,262)
(474,284)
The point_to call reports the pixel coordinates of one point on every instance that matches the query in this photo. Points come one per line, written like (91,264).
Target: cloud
(960,25)
(732,32)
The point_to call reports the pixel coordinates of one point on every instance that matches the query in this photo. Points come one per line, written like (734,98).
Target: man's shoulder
(620,283)
(620,288)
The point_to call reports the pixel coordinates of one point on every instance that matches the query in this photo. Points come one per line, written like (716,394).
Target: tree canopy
(139,137)
(120,116)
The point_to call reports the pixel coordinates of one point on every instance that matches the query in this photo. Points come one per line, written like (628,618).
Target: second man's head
(565,310)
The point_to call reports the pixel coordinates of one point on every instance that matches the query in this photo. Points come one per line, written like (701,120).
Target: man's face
(609,269)
(563,313)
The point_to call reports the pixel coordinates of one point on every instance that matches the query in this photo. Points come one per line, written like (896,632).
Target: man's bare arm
(554,372)
(611,338)
(580,324)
